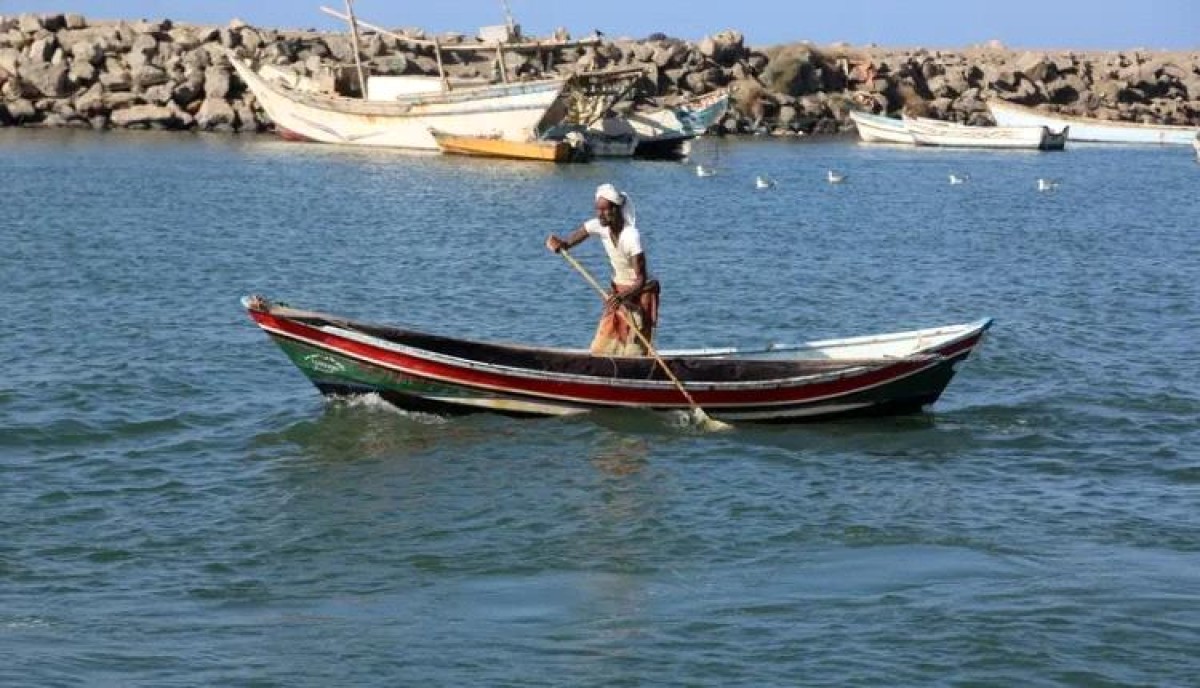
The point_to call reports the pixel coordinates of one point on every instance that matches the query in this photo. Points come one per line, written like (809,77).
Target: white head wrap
(621,199)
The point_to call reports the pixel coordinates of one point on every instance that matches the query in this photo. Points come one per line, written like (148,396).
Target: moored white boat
(880,129)
(1090,128)
(1196,145)
(930,132)
(509,111)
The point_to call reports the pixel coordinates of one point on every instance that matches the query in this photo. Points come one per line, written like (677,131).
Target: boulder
(29,23)
(148,75)
(10,60)
(48,80)
(216,82)
(724,48)
(91,101)
(76,21)
(81,73)
(116,80)
(22,111)
(86,51)
(216,113)
(144,115)
(1036,66)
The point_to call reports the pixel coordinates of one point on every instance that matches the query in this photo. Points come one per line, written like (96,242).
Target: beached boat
(885,374)
(662,133)
(402,110)
(1090,128)
(880,129)
(495,147)
(932,132)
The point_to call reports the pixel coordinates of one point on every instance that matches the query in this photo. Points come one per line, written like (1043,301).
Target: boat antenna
(362,79)
(508,18)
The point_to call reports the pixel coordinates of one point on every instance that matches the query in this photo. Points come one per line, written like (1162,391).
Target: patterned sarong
(613,334)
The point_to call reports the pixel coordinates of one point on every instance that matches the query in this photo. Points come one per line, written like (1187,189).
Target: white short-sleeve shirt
(621,254)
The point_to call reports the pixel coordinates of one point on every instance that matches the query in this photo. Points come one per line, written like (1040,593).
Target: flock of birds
(762,181)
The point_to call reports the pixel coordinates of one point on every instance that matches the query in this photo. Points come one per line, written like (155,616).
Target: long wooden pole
(467,47)
(362,79)
(706,421)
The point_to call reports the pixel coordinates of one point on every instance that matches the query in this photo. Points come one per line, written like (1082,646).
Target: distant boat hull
(879,129)
(508,111)
(662,133)
(1092,129)
(491,147)
(928,132)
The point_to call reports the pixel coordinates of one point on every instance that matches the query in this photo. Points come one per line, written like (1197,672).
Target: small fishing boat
(567,150)
(663,132)
(1090,128)
(1196,145)
(402,119)
(887,374)
(932,132)
(880,129)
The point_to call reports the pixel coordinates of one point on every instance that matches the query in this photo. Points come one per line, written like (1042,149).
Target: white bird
(835,177)
(1047,185)
(702,171)
(763,182)
(959,179)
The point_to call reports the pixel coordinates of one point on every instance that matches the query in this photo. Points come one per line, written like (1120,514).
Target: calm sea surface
(179,507)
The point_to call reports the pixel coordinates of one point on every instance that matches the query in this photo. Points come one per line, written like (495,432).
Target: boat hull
(878,129)
(1091,129)
(487,147)
(928,132)
(341,358)
(507,111)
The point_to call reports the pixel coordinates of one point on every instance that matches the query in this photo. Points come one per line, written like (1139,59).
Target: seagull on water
(1047,185)
(835,177)
(763,182)
(959,178)
(702,171)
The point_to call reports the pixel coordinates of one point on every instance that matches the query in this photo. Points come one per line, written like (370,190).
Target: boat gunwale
(1091,121)
(655,386)
(408,106)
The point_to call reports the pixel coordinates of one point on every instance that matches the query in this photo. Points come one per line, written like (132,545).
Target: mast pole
(362,79)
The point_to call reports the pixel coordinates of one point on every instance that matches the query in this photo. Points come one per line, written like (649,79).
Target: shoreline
(66,71)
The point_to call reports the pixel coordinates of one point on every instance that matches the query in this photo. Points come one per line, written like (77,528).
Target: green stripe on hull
(320,365)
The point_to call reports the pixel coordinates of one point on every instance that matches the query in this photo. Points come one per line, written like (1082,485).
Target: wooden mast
(362,79)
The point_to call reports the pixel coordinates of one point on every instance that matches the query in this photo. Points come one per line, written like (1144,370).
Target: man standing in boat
(632,291)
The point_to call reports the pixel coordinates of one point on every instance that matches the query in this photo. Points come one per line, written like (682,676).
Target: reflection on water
(621,455)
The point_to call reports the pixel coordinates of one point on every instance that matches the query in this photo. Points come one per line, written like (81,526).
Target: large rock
(29,23)
(81,73)
(148,115)
(48,80)
(42,49)
(216,113)
(86,51)
(22,111)
(148,75)
(10,60)
(724,48)
(216,82)
(91,101)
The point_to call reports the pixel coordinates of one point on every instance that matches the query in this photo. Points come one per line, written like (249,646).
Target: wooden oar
(701,418)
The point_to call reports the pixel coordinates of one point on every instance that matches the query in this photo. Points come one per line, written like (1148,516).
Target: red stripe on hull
(289,135)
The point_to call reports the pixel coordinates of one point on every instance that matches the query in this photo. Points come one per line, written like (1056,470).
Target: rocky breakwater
(66,71)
